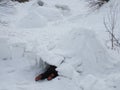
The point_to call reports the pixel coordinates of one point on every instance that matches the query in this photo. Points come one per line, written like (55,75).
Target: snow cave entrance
(48,71)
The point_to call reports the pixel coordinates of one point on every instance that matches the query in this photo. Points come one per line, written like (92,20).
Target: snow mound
(50,14)
(32,20)
(82,51)
(83,63)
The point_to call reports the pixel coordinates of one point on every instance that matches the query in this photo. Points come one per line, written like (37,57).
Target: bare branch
(110,23)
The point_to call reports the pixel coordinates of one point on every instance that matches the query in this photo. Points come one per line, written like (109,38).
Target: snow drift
(51,34)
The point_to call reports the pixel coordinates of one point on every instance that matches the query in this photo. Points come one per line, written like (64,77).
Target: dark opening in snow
(21,1)
(49,73)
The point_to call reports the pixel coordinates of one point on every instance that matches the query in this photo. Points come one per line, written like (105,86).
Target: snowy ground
(62,33)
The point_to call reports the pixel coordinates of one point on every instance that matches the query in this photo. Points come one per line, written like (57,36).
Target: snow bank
(82,50)
(50,14)
(69,55)
(35,18)
(32,20)
(82,61)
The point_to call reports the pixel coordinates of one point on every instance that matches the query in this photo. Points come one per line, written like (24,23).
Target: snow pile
(58,33)
(7,10)
(82,50)
(32,21)
(49,13)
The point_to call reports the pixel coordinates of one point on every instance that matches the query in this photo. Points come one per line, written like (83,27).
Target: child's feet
(49,74)
(51,77)
(39,77)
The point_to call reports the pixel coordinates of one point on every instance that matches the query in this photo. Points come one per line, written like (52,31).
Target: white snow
(64,33)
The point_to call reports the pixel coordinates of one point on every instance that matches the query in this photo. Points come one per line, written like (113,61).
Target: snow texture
(64,33)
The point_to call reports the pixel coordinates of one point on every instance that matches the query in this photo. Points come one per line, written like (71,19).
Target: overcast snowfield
(65,33)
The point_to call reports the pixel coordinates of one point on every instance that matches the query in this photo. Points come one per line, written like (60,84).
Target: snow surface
(65,33)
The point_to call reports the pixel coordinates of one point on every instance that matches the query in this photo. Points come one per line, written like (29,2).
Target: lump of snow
(65,10)
(86,53)
(50,58)
(66,70)
(32,20)
(49,13)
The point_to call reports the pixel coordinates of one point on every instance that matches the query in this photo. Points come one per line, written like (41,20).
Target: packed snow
(64,33)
